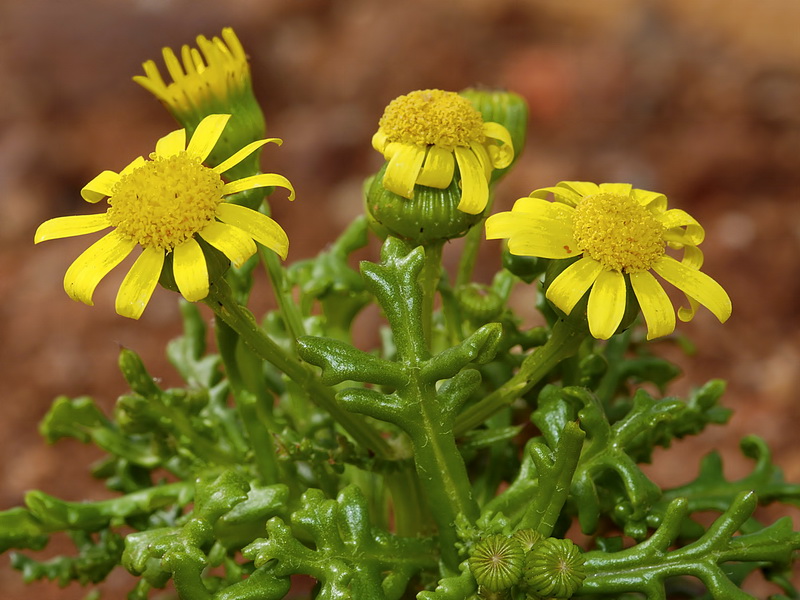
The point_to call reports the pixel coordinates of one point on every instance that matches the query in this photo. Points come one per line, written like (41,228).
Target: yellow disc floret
(618,232)
(432,117)
(165,201)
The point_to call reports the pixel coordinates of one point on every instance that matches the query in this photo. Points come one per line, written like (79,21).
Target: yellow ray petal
(172,143)
(537,206)
(134,164)
(190,270)
(531,235)
(233,242)
(618,189)
(379,141)
(571,284)
(501,155)
(100,187)
(240,155)
(606,304)
(97,260)
(206,135)
(257,181)
(474,186)
(652,200)
(581,188)
(403,169)
(173,65)
(139,283)
(483,158)
(659,315)
(259,226)
(675,217)
(62,227)
(697,286)
(562,194)
(438,169)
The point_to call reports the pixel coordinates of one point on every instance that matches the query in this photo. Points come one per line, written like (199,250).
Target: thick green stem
(429,281)
(564,341)
(442,473)
(241,321)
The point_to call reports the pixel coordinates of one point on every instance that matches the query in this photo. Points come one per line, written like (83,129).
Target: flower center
(618,232)
(432,117)
(164,202)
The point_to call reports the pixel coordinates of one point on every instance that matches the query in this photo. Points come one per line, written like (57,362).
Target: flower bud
(506,108)
(496,562)
(554,568)
(431,215)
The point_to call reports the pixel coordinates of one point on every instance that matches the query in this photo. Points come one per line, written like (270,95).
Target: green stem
(411,515)
(429,281)
(289,309)
(469,254)
(241,320)
(564,341)
(241,367)
(442,472)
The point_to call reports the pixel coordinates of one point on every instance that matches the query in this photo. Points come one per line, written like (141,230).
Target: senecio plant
(465,455)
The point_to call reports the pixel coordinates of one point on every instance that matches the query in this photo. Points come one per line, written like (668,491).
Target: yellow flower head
(217,71)
(424,135)
(163,204)
(213,78)
(621,234)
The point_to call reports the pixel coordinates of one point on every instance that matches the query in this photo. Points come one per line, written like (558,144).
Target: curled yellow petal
(606,304)
(190,270)
(257,181)
(571,284)
(697,286)
(403,169)
(62,227)
(240,155)
(474,185)
(659,315)
(100,187)
(139,283)
(233,242)
(438,168)
(260,227)
(502,155)
(86,272)
(206,136)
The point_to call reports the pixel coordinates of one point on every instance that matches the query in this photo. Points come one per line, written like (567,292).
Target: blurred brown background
(699,99)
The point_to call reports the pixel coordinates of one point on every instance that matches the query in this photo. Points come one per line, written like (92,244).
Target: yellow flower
(163,204)
(621,235)
(214,79)
(215,72)
(426,133)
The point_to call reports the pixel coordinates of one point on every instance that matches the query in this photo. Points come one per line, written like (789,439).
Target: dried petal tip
(496,562)
(554,568)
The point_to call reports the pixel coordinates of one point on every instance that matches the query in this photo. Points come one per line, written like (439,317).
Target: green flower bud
(496,562)
(554,568)
(506,108)
(479,302)
(431,215)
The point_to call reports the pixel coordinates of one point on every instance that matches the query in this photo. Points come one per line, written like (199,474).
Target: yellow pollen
(618,232)
(164,202)
(432,117)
